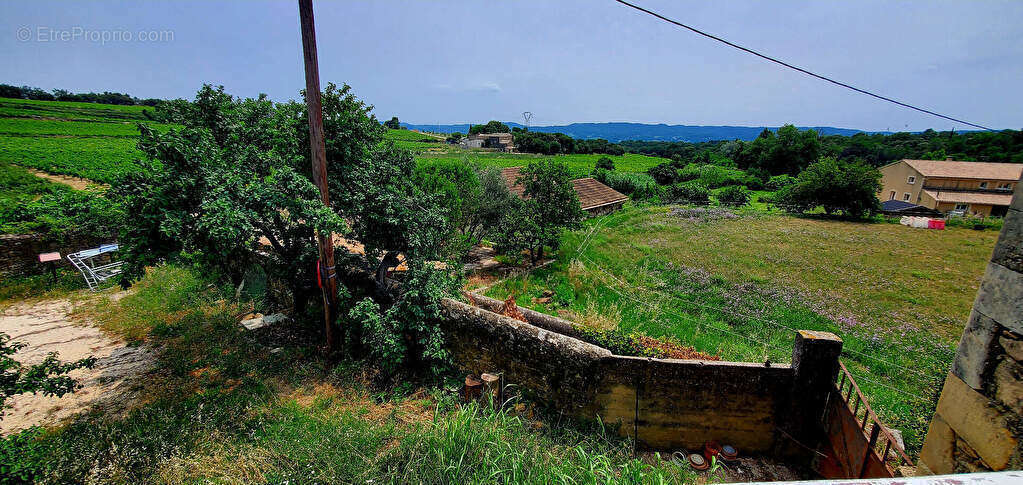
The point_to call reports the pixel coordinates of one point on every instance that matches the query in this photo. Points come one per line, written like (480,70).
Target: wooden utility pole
(326,274)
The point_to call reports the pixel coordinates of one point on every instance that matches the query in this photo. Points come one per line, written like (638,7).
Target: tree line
(788,150)
(106,97)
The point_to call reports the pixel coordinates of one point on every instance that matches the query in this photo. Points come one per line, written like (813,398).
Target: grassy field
(427,147)
(739,287)
(220,407)
(579,164)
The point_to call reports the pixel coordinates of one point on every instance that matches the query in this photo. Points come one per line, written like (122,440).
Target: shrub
(694,192)
(779,182)
(605,163)
(733,195)
(636,186)
(664,173)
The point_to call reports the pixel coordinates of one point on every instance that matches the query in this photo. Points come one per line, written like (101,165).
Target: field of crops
(87,140)
(38,127)
(101,159)
(66,110)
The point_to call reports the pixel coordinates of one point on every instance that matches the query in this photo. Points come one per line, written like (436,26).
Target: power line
(804,71)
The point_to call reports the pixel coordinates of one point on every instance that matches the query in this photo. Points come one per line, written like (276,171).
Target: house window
(892,196)
(962,207)
(905,197)
(911,180)
(983,185)
(1005,186)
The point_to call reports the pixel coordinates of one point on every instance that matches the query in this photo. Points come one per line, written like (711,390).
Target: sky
(438,62)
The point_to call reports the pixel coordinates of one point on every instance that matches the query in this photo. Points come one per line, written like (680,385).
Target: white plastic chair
(95,271)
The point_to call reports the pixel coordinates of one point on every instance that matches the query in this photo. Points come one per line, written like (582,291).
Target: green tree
(849,188)
(492,126)
(219,189)
(393,123)
(605,163)
(550,206)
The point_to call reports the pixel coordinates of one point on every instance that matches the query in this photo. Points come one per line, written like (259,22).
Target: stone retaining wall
(978,424)
(665,404)
(19,253)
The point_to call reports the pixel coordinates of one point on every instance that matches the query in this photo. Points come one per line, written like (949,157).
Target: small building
(972,188)
(594,197)
(502,142)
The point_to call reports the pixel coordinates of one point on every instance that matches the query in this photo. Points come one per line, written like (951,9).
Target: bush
(605,163)
(733,195)
(664,173)
(694,192)
(636,186)
(779,182)
(976,223)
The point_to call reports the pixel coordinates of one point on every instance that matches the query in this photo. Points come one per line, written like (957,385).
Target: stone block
(977,354)
(1017,197)
(1012,343)
(1009,249)
(937,455)
(1007,383)
(1000,296)
(976,420)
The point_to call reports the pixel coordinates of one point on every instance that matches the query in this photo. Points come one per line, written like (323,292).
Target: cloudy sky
(565,60)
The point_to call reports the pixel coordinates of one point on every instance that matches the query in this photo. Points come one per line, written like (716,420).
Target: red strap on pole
(319,280)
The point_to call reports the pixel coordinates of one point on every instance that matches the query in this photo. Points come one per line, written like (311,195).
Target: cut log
(473,388)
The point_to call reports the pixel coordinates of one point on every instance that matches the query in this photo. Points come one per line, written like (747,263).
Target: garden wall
(665,404)
(19,253)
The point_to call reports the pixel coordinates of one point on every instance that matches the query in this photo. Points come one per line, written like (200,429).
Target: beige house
(974,188)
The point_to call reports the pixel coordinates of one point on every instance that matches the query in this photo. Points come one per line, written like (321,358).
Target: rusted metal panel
(857,446)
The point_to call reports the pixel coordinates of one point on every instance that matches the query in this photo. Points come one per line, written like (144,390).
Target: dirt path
(74,182)
(46,327)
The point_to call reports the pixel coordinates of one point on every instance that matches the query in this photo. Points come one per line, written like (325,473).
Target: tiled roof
(971,197)
(896,205)
(967,170)
(510,175)
(591,192)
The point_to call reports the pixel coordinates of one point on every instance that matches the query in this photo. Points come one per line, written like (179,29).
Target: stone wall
(19,253)
(978,424)
(665,404)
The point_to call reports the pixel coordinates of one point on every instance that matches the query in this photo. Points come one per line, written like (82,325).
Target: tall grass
(220,406)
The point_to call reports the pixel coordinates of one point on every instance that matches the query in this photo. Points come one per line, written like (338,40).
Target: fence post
(815,369)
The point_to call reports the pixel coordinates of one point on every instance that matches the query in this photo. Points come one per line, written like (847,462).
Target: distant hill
(616,132)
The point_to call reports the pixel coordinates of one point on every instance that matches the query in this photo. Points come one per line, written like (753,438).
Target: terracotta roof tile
(591,192)
(968,170)
(971,197)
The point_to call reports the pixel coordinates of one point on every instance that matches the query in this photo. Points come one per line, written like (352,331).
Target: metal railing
(879,438)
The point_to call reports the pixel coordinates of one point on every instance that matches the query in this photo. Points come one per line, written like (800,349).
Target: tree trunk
(390,260)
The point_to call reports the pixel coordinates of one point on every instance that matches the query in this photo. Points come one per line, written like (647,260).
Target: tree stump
(473,388)
(492,388)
